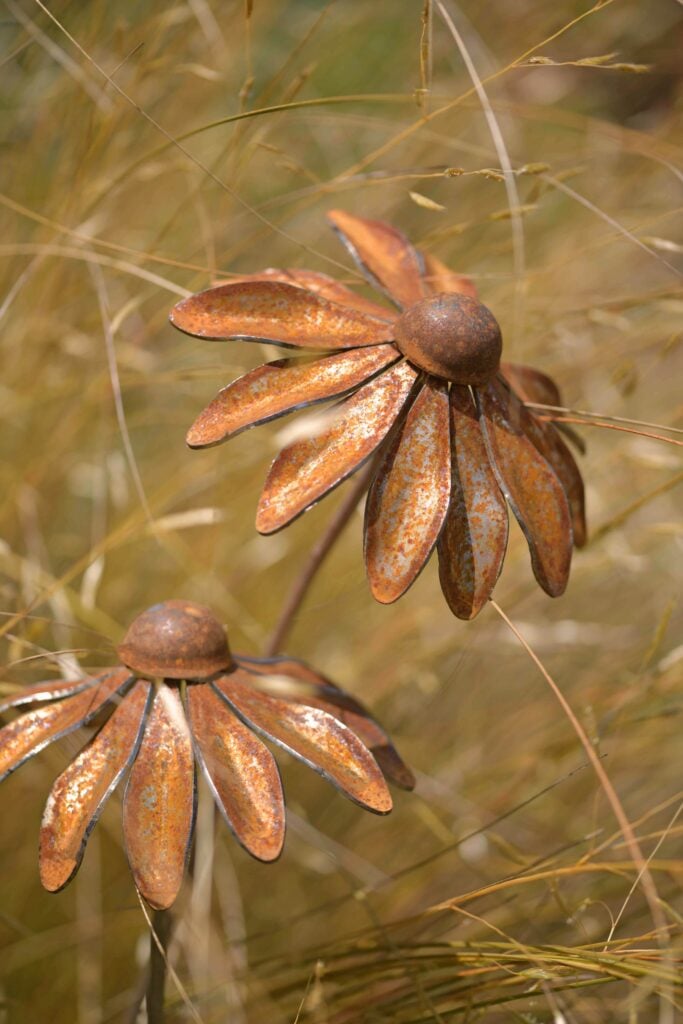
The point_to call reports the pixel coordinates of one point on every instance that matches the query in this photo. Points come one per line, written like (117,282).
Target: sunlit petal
(31,733)
(409,496)
(159,805)
(283,314)
(531,486)
(549,443)
(53,689)
(241,773)
(320,692)
(321,284)
(306,470)
(439,278)
(472,543)
(280,387)
(384,254)
(314,737)
(80,792)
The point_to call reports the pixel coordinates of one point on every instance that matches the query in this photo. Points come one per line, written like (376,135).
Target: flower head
(424,392)
(180,699)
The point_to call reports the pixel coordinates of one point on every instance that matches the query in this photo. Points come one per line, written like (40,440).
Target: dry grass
(504,889)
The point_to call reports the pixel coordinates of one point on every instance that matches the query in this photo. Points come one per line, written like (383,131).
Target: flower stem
(317,556)
(158,944)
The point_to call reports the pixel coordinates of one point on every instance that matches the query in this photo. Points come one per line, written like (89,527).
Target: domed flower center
(452,336)
(176,640)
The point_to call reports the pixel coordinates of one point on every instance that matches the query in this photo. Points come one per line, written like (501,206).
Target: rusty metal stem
(156,981)
(316,558)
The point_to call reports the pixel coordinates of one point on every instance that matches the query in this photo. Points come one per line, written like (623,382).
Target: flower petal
(531,486)
(536,387)
(321,284)
(384,254)
(551,446)
(79,794)
(472,543)
(314,737)
(321,692)
(32,732)
(439,278)
(280,387)
(41,692)
(409,496)
(241,772)
(159,805)
(306,470)
(283,314)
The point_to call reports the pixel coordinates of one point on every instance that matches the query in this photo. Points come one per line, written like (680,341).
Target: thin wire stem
(316,558)
(156,980)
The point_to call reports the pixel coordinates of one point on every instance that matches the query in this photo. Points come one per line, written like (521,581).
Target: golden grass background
(502,890)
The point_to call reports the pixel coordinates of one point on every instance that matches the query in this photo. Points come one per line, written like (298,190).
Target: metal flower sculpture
(181,698)
(427,386)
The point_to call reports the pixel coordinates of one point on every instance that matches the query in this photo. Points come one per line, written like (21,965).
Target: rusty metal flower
(181,698)
(422,391)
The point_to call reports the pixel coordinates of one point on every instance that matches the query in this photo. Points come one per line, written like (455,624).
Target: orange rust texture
(531,486)
(241,772)
(409,497)
(275,311)
(313,736)
(306,470)
(30,733)
(158,810)
(472,543)
(39,692)
(321,284)
(439,279)
(385,252)
(280,387)
(176,640)
(551,446)
(80,792)
(320,692)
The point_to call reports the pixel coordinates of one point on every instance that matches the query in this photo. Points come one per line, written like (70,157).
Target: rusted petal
(321,284)
(533,386)
(280,387)
(472,543)
(409,497)
(159,805)
(531,486)
(320,692)
(552,447)
(283,314)
(32,732)
(80,792)
(306,470)
(384,254)
(41,692)
(314,737)
(241,773)
(439,279)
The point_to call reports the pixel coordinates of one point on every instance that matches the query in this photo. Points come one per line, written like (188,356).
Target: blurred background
(149,148)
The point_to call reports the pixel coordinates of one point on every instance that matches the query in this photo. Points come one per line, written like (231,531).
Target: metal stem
(317,556)
(158,943)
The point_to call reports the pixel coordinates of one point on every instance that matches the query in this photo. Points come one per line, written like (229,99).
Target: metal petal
(241,772)
(41,692)
(280,387)
(321,692)
(80,793)
(531,486)
(159,805)
(306,470)
(314,737)
(283,314)
(409,496)
(321,284)
(32,732)
(472,543)
(533,386)
(439,278)
(384,254)
(551,446)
